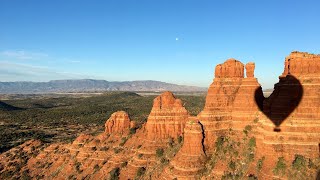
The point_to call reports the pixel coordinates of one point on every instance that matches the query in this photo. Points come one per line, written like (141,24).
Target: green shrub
(105,148)
(252,177)
(71,177)
(219,143)
(124,164)
(159,152)
(232,165)
(260,163)
(140,171)
(281,167)
(117,150)
(247,129)
(132,131)
(252,142)
(180,139)
(171,142)
(78,164)
(164,160)
(299,163)
(123,141)
(96,167)
(114,174)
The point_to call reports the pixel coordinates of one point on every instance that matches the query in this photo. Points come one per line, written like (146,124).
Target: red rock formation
(302,64)
(230,102)
(250,69)
(119,122)
(190,159)
(230,69)
(88,156)
(293,110)
(167,118)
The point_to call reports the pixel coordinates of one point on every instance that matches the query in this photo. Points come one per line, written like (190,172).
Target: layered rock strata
(165,123)
(167,118)
(119,122)
(291,122)
(230,102)
(284,125)
(190,159)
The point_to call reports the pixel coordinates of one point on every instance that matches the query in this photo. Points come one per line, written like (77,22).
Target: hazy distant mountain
(90,85)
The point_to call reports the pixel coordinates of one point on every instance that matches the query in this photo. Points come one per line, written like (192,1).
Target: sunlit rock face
(166,122)
(167,117)
(290,123)
(119,123)
(231,100)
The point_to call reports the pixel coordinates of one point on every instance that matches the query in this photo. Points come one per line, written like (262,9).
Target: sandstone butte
(238,121)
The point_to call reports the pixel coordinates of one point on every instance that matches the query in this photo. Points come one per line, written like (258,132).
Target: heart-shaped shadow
(282,102)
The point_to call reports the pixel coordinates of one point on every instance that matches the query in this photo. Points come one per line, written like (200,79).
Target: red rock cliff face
(167,118)
(190,159)
(302,64)
(230,102)
(293,111)
(232,68)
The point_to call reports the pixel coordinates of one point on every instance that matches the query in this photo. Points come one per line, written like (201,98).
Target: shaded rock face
(119,122)
(291,120)
(193,138)
(167,118)
(231,100)
(190,159)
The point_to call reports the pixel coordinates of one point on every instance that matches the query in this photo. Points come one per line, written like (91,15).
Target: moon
(177,39)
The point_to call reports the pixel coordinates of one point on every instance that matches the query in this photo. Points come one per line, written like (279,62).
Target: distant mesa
(90,85)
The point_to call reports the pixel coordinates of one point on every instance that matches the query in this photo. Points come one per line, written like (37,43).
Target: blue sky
(167,40)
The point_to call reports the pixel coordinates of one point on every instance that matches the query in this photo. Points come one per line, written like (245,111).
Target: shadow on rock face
(282,102)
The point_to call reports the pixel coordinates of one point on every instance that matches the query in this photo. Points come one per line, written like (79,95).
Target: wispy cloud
(23,72)
(24,55)
(74,61)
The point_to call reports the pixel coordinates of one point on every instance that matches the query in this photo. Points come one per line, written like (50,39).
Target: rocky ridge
(239,134)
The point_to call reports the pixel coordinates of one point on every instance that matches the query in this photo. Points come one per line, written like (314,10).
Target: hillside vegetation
(63,118)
